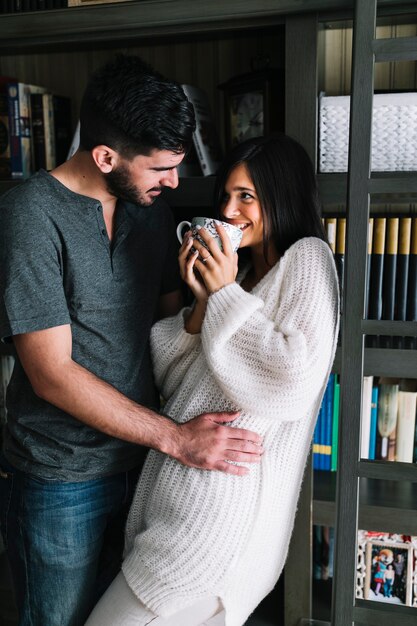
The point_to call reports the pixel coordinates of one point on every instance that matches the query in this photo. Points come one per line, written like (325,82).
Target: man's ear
(105,158)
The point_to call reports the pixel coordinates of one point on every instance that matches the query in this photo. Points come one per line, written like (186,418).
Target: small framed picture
(388,571)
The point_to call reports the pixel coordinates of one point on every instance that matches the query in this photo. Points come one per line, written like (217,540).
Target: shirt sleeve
(31,285)
(274,365)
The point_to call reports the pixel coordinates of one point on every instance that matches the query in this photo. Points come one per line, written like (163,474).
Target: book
(368,266)
(406,426)
(5,163)
(373,423)
(316,441)
(20,127)
(339,256)
(389,275)
(205,137)
(366,415)
(335,425)
(376,275)
(377,268)
(403,259)
(43,137)
(327,441)
(387,420)
(412,283)
(330,224)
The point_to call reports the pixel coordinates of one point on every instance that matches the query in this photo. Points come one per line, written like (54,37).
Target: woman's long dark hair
(285,183)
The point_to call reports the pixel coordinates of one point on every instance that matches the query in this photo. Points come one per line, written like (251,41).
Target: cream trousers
(120,607)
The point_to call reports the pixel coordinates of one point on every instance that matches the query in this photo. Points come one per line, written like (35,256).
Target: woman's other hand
(187,260)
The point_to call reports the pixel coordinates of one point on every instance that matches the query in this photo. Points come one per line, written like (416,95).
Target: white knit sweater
(194,533)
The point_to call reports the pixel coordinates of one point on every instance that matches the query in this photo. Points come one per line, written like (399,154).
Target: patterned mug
(234,233)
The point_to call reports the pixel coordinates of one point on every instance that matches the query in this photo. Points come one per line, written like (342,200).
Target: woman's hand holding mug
(210,247)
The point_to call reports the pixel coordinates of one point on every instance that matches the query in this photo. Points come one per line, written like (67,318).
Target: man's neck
(81,175)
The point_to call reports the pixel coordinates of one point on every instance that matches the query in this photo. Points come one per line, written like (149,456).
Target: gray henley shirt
(58,266)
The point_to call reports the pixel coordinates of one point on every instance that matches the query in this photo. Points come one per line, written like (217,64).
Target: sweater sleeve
(272,358)
(173,352)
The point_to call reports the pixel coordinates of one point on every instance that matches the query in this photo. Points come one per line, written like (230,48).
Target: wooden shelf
(387,506)
(149,18)
(384,614)
(386,187)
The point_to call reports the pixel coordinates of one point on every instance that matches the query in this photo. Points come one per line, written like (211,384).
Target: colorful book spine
(20,128)
(411,342)
(406,426)
(335,425)
(330,224)
(327,452)
(366,415)
(316,441)
(387,420)
(389,275)
(368,266)
(373,424)
(43,138)
(5,163)
(339,256)
(376,276)
(403,261)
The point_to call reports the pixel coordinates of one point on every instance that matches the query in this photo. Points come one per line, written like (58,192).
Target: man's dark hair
(133,109)
(285,183)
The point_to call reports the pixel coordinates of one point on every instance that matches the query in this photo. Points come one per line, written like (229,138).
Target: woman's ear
(105,158)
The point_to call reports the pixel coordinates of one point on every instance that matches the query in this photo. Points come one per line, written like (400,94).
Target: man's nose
(170,179)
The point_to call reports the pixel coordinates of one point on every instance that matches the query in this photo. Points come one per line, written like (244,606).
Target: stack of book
(388,426)
(388,431)
(391,280)
(325,438)
(35,129)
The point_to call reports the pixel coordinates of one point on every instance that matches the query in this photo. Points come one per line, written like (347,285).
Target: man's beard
(119,184)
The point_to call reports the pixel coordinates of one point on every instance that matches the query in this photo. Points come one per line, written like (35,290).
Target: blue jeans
(64,542)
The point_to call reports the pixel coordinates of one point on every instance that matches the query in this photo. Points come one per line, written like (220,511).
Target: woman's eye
(246,196)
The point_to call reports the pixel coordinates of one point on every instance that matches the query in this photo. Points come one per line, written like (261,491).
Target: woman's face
(242,208)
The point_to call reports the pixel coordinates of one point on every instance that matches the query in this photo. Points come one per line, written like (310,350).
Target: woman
(202,543)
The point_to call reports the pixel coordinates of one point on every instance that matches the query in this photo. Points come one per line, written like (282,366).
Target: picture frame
(387,568)
(254,105)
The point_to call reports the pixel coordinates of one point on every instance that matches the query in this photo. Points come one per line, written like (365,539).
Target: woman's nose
(231,208)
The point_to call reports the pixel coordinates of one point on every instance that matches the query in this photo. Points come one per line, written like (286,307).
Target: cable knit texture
(267,353)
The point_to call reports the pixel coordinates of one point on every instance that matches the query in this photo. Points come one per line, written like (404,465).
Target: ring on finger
(204,259)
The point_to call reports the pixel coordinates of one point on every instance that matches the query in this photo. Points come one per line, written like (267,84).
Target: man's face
(142,179)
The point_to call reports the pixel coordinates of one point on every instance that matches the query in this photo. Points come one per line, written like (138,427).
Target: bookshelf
(354,473)
(38,45)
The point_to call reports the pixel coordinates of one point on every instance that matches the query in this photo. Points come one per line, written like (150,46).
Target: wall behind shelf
(205,61)
(336,61)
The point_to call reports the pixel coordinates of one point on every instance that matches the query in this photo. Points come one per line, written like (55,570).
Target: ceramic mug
(209,223)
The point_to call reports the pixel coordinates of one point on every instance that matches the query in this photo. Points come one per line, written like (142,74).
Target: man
(87,258)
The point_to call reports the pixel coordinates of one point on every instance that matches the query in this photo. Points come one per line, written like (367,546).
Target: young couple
(250,358)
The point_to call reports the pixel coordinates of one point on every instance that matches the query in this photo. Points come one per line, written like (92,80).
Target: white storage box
(394,132)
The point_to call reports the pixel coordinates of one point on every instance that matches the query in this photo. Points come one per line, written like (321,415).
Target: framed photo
(254,105)
(387,568)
